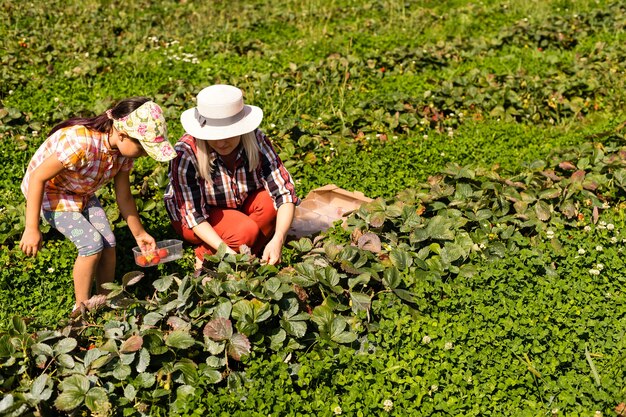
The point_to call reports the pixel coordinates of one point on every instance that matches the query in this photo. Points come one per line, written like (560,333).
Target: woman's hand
(145,242)
(31,241)
(273,251)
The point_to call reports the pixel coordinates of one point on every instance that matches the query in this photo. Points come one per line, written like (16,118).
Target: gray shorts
(89,230)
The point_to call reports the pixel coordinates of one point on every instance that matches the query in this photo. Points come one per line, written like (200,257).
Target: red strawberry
(142,261)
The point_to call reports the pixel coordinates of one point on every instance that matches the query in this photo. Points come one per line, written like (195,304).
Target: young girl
(227,184)
(80,156)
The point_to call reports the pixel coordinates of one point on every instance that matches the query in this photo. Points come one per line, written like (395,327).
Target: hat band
(225,121)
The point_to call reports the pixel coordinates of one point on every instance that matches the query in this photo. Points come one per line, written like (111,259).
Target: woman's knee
(260,203)
(242,233)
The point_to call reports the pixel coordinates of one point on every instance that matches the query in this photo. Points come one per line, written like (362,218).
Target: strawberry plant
(198,331)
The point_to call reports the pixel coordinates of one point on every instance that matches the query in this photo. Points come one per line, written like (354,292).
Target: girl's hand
(273,251)
(145,242)
(31,241)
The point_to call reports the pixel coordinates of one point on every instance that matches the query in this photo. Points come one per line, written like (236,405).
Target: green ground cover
(486,279)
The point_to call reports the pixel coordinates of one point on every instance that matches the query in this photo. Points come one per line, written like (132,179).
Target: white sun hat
(220,114)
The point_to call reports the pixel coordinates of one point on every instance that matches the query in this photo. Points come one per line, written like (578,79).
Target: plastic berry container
(167,250)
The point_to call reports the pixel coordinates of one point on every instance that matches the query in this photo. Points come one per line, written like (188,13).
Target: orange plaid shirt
(88,166)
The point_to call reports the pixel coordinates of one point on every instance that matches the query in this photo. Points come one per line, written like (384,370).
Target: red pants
(252,225)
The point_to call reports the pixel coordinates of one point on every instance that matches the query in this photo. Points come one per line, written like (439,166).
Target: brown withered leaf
(218,329)
(245,250)
(520,206)
(435,179)
(370,241)
(176,323)
(549,173)
(578,176)
(590,185)
(131,278)
(132,344)
(288,270)
(355,235)
(239,346)
(377,219)
(568,208)
(613,159)
(515,184)
(567,166)
(317,240)
(96,301)
(300,292)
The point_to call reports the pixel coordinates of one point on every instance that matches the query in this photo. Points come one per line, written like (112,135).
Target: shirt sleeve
(71,150)
(275,177)
(128,164)
(187,186)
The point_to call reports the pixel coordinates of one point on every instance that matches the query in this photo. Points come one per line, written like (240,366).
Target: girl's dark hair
(102,123)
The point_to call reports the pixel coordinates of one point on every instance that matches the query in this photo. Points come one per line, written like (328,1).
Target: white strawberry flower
(387,405)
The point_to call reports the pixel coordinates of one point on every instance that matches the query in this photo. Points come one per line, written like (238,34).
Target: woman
(227,184)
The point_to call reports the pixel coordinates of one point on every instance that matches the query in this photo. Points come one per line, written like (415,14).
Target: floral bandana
(147,125)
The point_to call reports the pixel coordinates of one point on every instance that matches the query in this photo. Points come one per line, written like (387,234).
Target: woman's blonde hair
(206,159)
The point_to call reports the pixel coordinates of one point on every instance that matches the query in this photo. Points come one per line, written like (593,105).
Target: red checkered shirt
(189,197)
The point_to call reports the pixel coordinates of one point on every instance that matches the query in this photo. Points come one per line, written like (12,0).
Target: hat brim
(251,120)
(161,152)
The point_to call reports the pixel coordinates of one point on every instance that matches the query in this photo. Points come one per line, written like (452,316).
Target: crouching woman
(227,184)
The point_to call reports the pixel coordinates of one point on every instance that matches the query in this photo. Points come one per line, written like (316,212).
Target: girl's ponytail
(103,122)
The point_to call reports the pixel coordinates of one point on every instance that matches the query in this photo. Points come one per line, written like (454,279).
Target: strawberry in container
(166,250)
